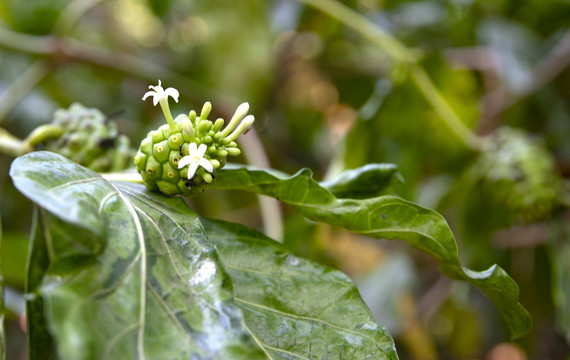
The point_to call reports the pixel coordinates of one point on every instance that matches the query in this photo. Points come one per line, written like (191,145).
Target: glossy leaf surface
(85,271)
(365,182)
(296,308)
(384,217)
(129,274)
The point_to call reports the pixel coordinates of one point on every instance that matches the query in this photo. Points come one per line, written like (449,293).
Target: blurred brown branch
(62,50)
(498,97)
(521,236)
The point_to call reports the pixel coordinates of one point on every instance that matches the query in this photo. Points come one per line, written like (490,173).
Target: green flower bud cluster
(519,173)
(87,137)
(202,143)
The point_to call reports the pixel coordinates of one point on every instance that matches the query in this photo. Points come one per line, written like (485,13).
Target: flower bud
(205,110)
(243,127)
(187,129)
(218,125)
(233,151)
(241,111)
(204,126)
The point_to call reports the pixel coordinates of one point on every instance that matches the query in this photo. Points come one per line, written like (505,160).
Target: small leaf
(367,181)
(296,308)
(38,262)
(129,274)
(384,217)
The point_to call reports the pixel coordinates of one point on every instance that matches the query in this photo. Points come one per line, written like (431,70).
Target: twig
(63,50)
(442,108)
(434,298)
(364,27)
(547,69)
(11,145)
(40,45)
(22,86)
(521,236)
(403,55)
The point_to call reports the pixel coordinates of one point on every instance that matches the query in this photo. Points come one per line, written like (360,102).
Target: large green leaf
(128,274)
(385,217)
(365,182)
(87,288)
(296,308)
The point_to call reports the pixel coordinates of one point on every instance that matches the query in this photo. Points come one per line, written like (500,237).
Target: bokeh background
(327,97)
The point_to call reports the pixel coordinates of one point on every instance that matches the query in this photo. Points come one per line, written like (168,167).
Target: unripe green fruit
(519,173)
(160,153)
(90,139)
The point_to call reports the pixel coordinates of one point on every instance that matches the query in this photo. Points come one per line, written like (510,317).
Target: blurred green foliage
(329,99)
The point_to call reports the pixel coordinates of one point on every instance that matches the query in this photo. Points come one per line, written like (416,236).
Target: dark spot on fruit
(107,143)
(180,150)
(384,216)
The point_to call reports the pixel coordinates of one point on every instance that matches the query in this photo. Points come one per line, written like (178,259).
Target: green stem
(42,133)
(364,27)
(40,45)
(402,54)
(166,110)
(11,145)
(443,109)
(22,86)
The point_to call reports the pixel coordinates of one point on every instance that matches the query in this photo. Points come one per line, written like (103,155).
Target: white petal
(172,92)
(149,93)
(201,150)
(155,99)
(193,148)
(206,165)
(184,161)
(192,170)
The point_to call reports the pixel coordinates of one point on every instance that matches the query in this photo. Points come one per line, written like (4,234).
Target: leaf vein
(300,317)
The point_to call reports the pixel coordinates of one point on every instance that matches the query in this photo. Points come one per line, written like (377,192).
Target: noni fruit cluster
(88,137)
(519,172)
(182,156)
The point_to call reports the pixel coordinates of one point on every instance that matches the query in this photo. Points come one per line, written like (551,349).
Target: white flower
(195,159)
(160,94)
